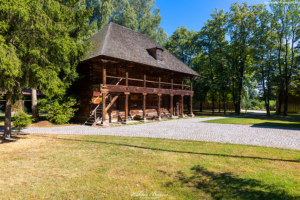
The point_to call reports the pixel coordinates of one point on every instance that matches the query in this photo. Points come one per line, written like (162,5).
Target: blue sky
(192,13)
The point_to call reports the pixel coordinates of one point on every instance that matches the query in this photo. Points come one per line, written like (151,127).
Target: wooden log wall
(293,104)
(135,106)
(91,78)
(82,88)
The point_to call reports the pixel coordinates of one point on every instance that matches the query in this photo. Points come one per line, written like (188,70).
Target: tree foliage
(21,120)
(246,48)
(40,45)
(139,15)
(59,110)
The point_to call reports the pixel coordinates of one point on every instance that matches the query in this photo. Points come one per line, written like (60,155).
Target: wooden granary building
(128,76)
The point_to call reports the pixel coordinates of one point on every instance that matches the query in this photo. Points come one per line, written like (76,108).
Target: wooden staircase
(95,116)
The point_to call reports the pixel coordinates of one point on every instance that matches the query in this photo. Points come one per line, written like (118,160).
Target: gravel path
(192,129)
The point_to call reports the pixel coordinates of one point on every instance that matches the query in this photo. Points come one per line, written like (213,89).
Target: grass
(107,167)
(273,121)
(289,114)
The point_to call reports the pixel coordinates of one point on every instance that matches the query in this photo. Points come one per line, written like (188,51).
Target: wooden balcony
(143,90)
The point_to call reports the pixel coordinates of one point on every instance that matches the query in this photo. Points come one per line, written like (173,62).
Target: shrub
(256,108)
(59,110)
(246,104)
(21,120)
(273,104)
(255,104)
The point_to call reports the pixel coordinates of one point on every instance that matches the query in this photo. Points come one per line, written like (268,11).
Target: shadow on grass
(286,122)
(228,185)
(259,121)
(175,151)
(13,138)
(292,127)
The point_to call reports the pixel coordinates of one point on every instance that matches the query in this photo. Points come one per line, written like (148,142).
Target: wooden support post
(145,82)
(159,80)
(191,99)
(126,68)
(126,106)
(191,107)
(104,73)
(172,85)
(103,123)
(144,106)
(191,80)
(182,83)
(171,105)
(182,106)
(158,107)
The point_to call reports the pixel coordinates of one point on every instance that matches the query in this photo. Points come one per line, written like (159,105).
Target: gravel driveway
(192,129)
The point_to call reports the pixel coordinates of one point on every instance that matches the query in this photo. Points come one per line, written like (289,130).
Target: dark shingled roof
(123,43)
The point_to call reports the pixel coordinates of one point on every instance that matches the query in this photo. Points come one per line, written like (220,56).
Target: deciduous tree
(286,25)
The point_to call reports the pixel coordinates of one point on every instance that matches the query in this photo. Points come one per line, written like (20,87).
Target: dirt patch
(48,124)
(41,124)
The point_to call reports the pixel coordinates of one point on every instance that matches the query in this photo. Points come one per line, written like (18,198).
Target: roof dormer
(156,52)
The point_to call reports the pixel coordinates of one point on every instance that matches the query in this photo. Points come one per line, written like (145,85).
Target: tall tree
(182,44)
(241,22)
(9,70)
(212,39)
(45,35)
(286,25)
(263,54)
(219,30)
(201,86)
(139,15)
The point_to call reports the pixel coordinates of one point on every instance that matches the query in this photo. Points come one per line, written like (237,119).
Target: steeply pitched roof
(123,43)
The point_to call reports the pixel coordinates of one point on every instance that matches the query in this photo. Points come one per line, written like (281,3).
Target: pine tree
(44,36)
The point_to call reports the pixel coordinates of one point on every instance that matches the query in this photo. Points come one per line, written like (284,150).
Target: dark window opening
(159,54)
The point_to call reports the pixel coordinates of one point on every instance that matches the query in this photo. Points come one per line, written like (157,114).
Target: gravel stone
(191,129)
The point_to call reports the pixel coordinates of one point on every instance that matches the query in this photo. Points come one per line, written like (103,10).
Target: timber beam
(135,90)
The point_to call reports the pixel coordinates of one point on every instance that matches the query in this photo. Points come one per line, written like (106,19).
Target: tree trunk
(213,104)
(224,104)
(280,102)
(7,123)
(236,107)
(240,98)
(219,104)
(188,106)
(34,108)
(268,107)
(286,96)
(201,107)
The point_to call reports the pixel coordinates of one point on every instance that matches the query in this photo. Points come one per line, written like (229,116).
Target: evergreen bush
(59,110)
(21,120)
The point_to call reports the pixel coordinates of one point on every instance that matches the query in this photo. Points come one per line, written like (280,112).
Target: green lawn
(106,167)
(275,121)
(208,113)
